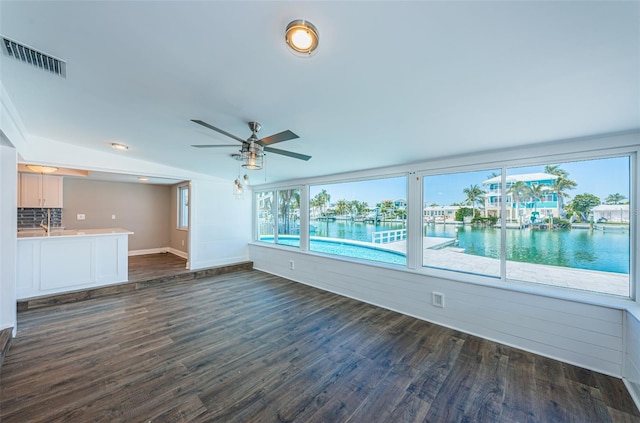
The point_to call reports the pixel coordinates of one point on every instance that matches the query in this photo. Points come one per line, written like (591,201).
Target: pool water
(345,249)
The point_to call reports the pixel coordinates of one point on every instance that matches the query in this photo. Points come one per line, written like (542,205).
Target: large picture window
(364,220)
(568,225)
(565,224)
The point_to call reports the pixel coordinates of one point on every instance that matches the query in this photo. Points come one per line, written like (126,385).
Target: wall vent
(34,57)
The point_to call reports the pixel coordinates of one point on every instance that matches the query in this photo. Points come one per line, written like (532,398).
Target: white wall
(220,225)
(8,225)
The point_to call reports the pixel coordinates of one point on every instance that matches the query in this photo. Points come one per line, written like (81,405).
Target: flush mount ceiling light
(302,37)
(120,147)
(42,169)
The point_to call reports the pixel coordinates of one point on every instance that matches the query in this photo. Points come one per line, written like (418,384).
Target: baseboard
(182,254)
(162,250)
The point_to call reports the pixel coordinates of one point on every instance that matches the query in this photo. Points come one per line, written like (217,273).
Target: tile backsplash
(31,217)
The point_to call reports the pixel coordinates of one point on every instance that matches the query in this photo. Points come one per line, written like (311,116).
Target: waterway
(577,248)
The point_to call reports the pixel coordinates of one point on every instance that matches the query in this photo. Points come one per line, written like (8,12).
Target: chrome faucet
(47,227)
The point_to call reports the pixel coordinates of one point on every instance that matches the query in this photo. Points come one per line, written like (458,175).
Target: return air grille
(34,57)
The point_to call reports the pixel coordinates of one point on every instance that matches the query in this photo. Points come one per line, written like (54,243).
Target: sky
(600,177)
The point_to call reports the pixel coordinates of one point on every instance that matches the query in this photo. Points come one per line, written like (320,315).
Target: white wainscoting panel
(632,362)
(66,262)
(586,335)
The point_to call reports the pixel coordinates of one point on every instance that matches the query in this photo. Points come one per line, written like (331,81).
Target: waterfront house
(521,209)
(611,213)
(440,213)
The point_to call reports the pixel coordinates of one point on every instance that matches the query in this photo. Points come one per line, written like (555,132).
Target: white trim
(634,391)
(182,254)
(162,250)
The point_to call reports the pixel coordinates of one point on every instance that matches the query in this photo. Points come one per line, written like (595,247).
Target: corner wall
(179,237)
(220,225)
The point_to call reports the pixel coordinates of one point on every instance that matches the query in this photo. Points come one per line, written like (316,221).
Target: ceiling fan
(252,150)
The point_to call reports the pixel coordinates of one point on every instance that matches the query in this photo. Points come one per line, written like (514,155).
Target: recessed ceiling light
(42,169)
(143,178)
(120,147)
(302,37)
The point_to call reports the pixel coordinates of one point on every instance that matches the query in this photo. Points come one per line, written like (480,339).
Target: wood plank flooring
(152,266)
(252,347)
(144,271)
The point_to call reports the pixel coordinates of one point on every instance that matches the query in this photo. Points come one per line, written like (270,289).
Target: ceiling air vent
(34,57)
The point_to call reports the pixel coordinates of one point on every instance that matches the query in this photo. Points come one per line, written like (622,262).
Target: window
(264,206)
(364,220)
(460,228)
(564,224)
(569,225)
(289,217)
(183,207)
(283,207)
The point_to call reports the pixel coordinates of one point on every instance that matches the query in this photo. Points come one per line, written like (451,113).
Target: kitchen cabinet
(37,190)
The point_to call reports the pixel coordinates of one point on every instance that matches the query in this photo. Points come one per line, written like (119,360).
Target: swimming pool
(344,248)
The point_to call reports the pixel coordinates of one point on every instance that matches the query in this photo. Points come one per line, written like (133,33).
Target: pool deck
(454,259)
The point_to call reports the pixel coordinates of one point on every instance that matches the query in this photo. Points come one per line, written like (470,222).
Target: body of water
(578,248)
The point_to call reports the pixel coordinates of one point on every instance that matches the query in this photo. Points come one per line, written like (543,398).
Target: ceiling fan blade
(206,125)
(279,137)
(212,146)
(287,153)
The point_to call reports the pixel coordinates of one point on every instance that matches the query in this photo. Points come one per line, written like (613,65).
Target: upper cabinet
(37,190)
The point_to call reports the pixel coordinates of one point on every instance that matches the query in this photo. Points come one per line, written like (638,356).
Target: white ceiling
(392,82)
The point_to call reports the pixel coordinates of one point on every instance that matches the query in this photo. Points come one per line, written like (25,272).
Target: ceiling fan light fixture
(252,156)
(302,37)
(252,161)
(42,169)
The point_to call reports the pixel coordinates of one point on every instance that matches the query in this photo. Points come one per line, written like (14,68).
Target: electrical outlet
(291,265)
(437,299)
(113,217)
(80,216)
(183,242)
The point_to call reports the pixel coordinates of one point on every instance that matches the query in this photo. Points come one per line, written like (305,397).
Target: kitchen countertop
(35,233)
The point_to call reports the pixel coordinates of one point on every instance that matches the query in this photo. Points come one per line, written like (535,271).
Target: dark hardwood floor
(152,266)
(251,347)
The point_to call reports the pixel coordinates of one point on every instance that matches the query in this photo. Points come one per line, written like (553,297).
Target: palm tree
(342,207)
(556,170)
(518,191)
(616,198)
(535,193)
(289,201)
(561,184)
(474,195)
(321,200)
